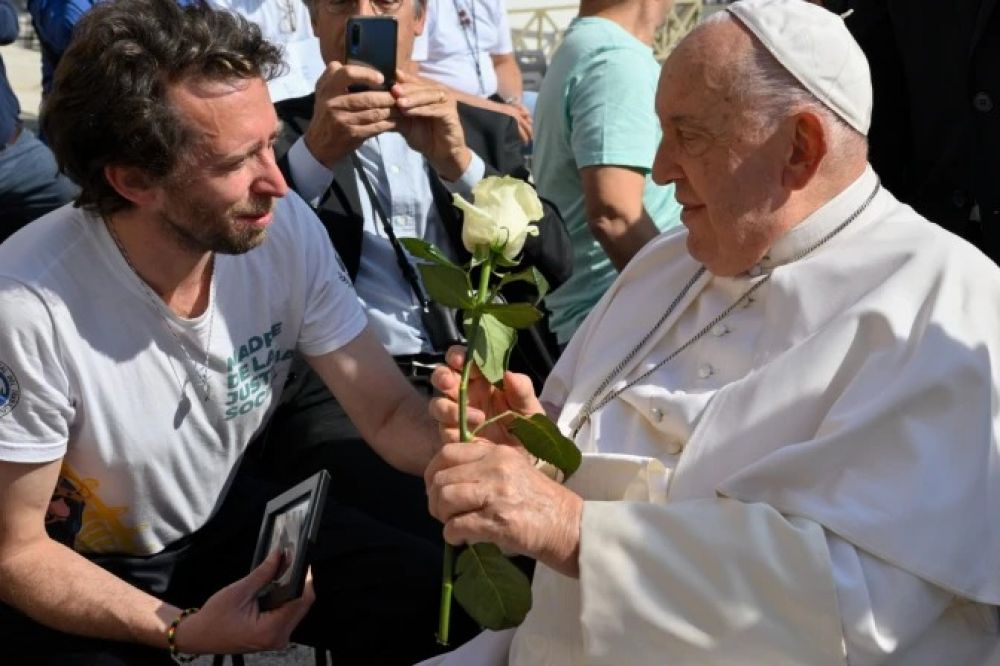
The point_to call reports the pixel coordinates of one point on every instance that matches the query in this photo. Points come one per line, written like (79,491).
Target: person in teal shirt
(596,134)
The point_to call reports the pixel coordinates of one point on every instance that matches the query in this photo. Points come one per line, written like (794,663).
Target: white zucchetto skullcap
(814,45)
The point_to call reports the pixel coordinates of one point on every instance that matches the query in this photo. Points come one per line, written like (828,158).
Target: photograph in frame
(290,526)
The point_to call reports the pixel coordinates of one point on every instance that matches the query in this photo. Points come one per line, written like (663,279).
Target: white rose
(500,216)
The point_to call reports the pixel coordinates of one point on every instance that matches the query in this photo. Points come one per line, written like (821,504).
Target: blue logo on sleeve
(10,390)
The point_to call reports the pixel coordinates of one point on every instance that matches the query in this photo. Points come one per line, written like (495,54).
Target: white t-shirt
(451,37)
(286,23)
(91,373)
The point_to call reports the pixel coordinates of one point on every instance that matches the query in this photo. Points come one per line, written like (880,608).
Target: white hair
(768,93)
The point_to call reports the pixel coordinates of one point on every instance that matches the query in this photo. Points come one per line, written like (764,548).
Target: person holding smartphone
(467,45)
(376,148)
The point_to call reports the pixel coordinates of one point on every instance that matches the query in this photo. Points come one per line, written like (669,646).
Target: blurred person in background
(935,136)
(285,23)
(593,153)
(30,182)
(466,45)
(54,21)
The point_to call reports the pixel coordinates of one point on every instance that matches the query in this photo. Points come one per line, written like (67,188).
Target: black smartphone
(371,40)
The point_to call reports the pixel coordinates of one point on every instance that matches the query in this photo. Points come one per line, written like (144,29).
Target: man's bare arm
(390,414)
(613,200)
(61,589)
(56,586)
(509,82)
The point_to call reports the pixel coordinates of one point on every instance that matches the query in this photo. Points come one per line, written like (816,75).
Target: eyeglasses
(379,7)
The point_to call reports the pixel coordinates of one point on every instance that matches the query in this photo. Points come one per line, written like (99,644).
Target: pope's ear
(132,183)
(809,147)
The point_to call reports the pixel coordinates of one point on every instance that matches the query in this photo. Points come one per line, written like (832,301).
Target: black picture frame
(291,522)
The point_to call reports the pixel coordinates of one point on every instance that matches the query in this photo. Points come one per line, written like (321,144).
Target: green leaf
(530,275)
(448,285)
(500,260)
(492,346)
(515,315)
(493,591)
(481,254)
(421,249)
(542,439)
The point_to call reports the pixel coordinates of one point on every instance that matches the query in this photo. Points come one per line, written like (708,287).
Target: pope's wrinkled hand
(485,400)
(484,492)
(231,623)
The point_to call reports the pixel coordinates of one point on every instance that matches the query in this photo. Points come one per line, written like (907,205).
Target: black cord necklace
(465,20)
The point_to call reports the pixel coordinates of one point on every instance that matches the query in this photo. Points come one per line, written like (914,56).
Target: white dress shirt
(398,175)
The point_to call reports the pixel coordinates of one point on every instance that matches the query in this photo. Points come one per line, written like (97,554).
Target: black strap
(401,259)
(473,49)
(438,321)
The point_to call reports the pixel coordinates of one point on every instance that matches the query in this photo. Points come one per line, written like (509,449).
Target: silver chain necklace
(592,404)
(200,371)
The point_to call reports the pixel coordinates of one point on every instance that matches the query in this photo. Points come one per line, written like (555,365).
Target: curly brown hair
(108,104)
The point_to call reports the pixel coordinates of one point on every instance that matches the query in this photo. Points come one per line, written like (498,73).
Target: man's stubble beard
(209,231)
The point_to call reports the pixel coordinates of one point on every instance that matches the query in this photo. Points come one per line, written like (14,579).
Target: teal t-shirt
(596,106)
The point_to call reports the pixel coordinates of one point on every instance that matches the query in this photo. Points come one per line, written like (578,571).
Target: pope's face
(727,175)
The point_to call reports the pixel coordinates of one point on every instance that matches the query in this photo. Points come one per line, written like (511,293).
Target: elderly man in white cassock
(788,410)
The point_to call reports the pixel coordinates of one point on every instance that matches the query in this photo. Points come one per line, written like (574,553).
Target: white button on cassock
(705,371)
(719,330)
(657,414)
(755,270)
(675,446)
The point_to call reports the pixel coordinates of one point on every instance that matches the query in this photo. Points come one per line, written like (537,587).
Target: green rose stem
(447,575)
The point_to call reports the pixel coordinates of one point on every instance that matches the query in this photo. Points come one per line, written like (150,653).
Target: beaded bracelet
(172,636)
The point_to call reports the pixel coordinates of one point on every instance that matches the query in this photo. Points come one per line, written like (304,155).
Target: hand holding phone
(341,122)
(428,120)
(371,41)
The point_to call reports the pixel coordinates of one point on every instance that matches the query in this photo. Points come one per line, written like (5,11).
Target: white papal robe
(816,480)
